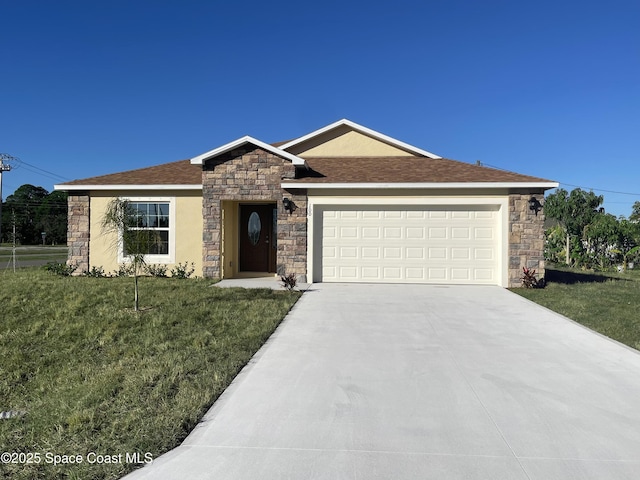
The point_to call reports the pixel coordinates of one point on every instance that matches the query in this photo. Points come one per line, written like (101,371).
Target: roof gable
(354,139)
(202,158)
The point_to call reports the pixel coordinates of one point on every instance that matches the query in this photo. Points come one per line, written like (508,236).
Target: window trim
(154,258)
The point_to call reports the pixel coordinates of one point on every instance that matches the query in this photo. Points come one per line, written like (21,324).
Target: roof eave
(362,129)
(201,159)
(76,187)
(422,185)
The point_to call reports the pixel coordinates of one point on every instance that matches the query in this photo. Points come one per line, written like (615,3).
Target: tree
(554,243)
(635,212)
(24,202)
(121,219)
(51,217)
(574,211)
(628,243)
(602,236)
(36,211)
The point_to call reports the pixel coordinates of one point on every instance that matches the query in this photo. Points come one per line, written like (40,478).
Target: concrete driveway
(421,382)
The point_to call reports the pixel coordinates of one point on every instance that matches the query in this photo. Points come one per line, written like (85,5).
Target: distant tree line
(582,234)
(35,211)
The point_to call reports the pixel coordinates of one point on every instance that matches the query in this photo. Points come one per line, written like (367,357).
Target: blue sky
(545,88)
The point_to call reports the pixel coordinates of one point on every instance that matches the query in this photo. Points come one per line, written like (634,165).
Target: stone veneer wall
(247,175)
(526,237)
(78,231)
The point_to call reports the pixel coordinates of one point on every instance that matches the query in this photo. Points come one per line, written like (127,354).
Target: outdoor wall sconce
(288,205)
(535,205)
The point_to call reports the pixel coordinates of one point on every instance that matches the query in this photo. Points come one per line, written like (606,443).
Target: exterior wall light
(288,205)
(535,205)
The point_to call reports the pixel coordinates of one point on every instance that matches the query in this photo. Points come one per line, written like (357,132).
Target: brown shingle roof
(403,170)
(330,170)
(174,173)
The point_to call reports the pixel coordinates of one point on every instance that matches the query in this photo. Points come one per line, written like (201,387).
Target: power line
(600,190)
(60,177)
(574,186)
(42,172)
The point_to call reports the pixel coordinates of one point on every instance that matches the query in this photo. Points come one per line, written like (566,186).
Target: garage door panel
(483,233)
(371,253)
(410,244)
(329,253)
(437,215)
(415,233)
(392,273)
(348,252)
(483,274)
(438,233)
(460,233)
(415,253)
(483,253)
(460,254)
(371,232)
(371,273)
(392,232)
(460,274)
(392,253)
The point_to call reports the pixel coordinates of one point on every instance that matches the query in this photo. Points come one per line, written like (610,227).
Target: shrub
(183,271)
(156,270)
(289,281)
(58,268)
(124,270)
(95,272)
(529,279)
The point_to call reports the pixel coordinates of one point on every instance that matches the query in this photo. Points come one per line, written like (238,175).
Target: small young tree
(121,219)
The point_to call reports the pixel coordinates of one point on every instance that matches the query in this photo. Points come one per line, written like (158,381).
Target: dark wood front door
(257,238)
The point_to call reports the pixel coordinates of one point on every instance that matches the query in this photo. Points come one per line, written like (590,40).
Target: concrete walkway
(272,282)
(421,382)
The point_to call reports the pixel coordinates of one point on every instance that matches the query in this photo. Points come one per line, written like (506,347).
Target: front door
(257,238)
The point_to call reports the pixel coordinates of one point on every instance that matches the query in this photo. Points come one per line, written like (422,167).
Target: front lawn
(608,303)
(100,381)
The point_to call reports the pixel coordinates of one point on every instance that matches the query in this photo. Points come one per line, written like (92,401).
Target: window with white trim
(157,216)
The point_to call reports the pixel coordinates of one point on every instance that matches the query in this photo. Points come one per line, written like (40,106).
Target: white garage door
(410,244)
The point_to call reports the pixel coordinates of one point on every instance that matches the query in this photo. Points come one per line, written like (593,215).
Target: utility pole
(4,167)
(13,250)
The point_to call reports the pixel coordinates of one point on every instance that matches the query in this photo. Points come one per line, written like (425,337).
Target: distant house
(341,204)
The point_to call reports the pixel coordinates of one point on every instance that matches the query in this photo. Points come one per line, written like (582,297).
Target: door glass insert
(254,228)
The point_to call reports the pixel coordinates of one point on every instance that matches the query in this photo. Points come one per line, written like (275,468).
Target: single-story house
(341,204)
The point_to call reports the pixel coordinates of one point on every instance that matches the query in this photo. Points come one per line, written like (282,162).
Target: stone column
(292,235)
(78,231)
(526,237)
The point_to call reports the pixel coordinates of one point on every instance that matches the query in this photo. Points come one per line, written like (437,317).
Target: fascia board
(64,187)
(383,186)
(200,159)
(362,129)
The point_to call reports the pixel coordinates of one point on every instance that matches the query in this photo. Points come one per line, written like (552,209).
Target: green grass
(605,302)
(95,377)
(29,254)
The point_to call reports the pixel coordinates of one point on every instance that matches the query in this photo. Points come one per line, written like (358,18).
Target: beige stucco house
(341,204)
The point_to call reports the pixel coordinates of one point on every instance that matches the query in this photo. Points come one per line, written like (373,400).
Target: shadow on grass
(571,277)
